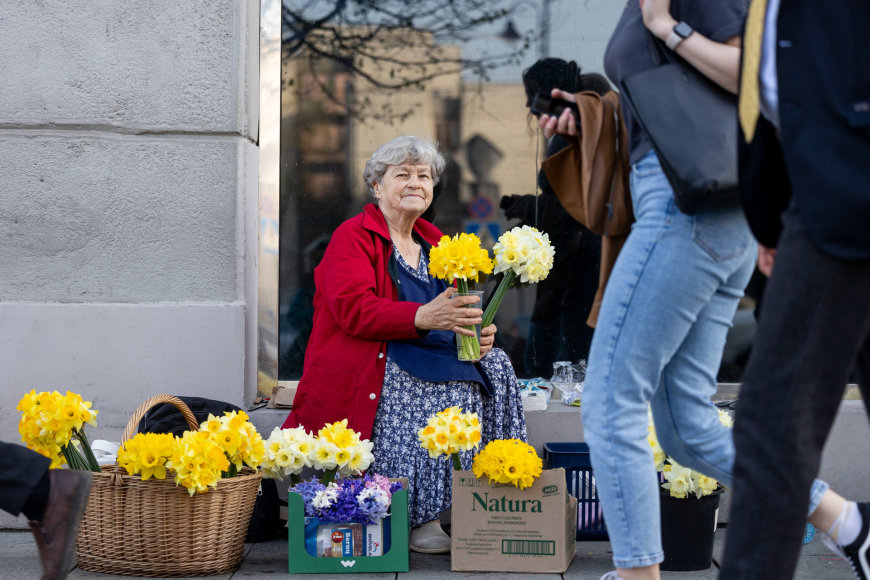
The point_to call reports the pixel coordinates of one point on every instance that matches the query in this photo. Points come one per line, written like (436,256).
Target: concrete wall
(128,166)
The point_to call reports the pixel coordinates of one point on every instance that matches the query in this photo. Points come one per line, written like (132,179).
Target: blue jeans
(667,308)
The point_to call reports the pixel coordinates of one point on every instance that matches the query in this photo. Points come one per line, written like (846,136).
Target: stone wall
(128,162)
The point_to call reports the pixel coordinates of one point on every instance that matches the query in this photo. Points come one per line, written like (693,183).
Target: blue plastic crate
(574,458)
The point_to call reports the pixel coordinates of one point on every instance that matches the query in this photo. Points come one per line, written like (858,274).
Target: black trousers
(20,471)
(812,333)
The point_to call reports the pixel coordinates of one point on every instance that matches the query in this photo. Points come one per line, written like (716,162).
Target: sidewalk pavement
(269,560)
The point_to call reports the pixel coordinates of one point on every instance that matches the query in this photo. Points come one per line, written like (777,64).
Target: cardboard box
(499,528)
(394,560)
(282,396)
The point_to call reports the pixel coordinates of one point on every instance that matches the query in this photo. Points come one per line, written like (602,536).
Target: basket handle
(133,423)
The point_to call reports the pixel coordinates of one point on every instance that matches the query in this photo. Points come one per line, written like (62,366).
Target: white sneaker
(430,539)
(611,576)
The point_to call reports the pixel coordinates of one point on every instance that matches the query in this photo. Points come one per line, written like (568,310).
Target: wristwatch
(681,32)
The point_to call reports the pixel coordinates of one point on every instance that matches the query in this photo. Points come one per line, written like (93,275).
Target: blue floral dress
(406,404)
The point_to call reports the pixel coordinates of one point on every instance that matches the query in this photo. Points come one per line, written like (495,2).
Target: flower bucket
(688,527)
(153,528)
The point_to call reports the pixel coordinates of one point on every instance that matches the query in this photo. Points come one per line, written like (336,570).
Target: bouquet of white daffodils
(678,480)
(525,256)
(335,450)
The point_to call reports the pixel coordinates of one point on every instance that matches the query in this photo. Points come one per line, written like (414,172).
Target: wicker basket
(153,528)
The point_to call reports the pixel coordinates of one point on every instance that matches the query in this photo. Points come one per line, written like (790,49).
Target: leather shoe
(430,539)
(56,533)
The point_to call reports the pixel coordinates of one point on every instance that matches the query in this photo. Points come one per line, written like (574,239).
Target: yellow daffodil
(53,425)
(508,461)
(459,257)
(450,431)
(681,481)
(147,454)
(198,461)
(238,437)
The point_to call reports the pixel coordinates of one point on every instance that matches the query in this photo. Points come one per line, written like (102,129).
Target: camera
(544,104)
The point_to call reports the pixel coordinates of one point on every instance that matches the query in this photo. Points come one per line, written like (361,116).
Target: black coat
(822,155)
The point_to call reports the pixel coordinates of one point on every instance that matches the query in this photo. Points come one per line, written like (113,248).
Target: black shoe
(858,552)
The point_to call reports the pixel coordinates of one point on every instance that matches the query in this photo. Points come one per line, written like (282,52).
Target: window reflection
(353,79)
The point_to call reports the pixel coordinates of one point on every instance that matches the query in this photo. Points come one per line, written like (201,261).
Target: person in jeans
(52,500)
(668,303)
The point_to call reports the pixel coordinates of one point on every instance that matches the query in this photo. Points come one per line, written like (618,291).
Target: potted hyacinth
(689,506)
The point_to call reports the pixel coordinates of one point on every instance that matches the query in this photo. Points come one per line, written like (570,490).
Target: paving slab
(817,561)
(591,560)
(20,561)
(438,567)
(19,555)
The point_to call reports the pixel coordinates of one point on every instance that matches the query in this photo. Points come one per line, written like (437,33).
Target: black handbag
(691,123)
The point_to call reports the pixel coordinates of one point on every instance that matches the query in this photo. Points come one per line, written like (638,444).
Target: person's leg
(53,500)
(661,282)
(687,425)
(816,317)
(21,472)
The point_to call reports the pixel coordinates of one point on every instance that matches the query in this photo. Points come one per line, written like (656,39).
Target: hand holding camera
(552,111)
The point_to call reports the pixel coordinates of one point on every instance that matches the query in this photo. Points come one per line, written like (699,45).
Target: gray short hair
(405,149)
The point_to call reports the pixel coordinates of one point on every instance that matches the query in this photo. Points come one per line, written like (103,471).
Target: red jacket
(356,312)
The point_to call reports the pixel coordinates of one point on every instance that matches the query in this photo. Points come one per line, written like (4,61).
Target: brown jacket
(590,178)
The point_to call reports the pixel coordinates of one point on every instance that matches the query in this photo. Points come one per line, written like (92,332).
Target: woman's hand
(487,339)
(657,17)
(446,313)
(766,258)
(564,124)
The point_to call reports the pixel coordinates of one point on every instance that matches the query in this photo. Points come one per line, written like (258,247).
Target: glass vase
(468,347)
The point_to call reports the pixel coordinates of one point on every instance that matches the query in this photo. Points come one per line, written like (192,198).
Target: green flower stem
(469,346)
(73,458)
(231,471)
(90,461)
(457,465)
(295,478)
(328,476)
(497,297)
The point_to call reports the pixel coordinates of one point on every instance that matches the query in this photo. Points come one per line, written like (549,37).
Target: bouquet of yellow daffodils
(508,461)
(450,431)
(678,480)
(198,459)
(53,425)
(461,259)
(239,439)
(338,449)
(525,256)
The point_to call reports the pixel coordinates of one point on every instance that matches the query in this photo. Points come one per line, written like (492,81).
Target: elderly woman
(382,353)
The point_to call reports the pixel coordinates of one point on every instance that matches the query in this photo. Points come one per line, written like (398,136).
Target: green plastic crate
(395,560)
